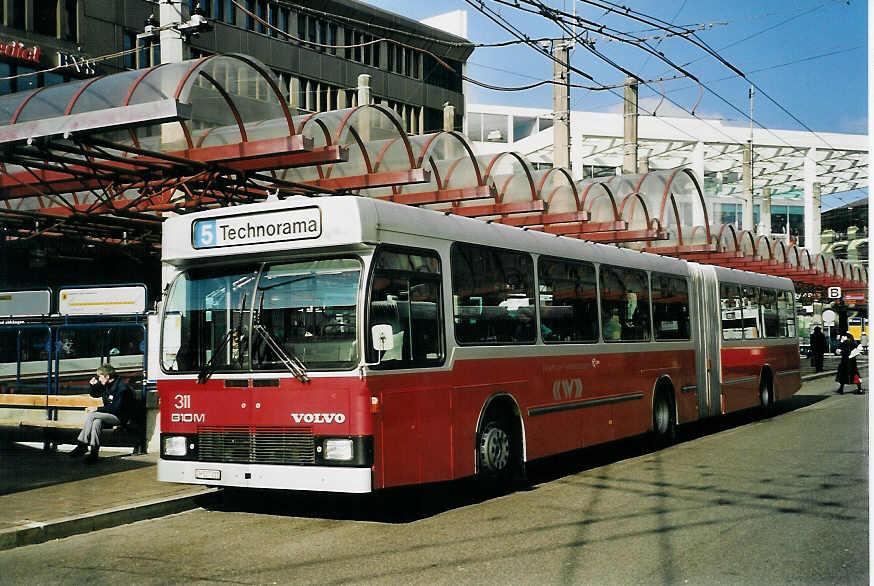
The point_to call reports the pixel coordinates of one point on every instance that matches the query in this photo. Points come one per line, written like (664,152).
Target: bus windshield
(307,309)
(229,319)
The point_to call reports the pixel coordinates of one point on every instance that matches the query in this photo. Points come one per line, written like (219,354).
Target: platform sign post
(828,320)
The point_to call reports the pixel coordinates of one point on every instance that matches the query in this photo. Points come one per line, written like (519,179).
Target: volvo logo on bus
(318,417)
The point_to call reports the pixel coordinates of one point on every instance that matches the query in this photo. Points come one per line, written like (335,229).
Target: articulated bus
(348,344)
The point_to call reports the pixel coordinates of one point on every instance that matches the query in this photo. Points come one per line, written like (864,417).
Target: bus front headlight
(175,445)
(338,449)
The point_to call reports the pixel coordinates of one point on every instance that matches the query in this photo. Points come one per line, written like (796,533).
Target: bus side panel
(787,367)
(741,369)
(414,431)
(686,378)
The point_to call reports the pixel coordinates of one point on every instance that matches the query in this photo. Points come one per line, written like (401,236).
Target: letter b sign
(834,292)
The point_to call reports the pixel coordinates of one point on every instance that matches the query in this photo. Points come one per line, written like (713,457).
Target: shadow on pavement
(409,504)
(24,467)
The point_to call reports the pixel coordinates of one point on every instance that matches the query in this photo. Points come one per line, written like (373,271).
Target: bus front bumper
(315,478)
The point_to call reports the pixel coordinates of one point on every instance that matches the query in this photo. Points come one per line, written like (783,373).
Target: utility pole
(629,145)
(170,15)
(561,105)
(747,206)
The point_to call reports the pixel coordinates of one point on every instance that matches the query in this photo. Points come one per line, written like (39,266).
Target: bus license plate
(204,474)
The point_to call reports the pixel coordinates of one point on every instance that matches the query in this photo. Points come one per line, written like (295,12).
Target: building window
(523,126)
(5,84)
(284,17)
(488,127)
(262,16)
(732,213)
(130,42)
(274,20)
(16,19)
(45,17)
(71,19)
(438,75)
(332,39)
(250,8)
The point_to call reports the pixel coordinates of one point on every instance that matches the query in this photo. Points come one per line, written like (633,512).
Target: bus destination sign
(262,228)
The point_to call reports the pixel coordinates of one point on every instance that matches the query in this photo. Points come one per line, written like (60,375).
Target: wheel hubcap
(495,449)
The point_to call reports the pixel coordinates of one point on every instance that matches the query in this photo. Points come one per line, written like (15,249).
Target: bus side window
(752,328)
(770,320)
(731,309)
(406,295)
(786,314)
(568,307)
(625,311)
(670,307)
(493,293)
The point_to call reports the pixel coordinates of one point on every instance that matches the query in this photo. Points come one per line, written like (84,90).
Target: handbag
(857,380)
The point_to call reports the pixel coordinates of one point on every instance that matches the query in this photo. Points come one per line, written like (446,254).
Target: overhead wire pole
(748,181)
(629,144)
(561,104)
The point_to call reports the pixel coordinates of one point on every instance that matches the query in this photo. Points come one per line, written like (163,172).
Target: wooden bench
(33,427)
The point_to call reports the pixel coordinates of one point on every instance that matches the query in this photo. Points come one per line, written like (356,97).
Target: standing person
(848,370)
(116,410)
(817,348)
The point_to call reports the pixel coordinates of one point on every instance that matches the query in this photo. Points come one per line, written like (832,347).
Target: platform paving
(47,495)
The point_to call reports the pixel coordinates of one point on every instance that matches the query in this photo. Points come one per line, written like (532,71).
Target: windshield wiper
(219,350)
(291,362)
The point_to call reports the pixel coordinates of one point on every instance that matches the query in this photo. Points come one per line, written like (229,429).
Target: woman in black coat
(848,370)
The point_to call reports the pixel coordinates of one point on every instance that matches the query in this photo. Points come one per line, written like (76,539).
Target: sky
(807,59)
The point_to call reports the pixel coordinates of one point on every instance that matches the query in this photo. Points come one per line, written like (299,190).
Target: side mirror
(382,337)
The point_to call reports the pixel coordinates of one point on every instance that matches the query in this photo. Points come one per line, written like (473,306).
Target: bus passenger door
(707,340)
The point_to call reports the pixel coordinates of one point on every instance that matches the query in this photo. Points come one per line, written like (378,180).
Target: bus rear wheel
(766,397)
(664,422)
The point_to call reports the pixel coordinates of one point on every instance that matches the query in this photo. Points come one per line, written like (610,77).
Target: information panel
(25,303)
(103,300)
(294,224)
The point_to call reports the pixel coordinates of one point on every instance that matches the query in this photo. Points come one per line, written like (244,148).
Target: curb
(40,532)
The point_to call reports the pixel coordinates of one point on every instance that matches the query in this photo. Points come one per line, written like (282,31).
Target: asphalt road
(742,501)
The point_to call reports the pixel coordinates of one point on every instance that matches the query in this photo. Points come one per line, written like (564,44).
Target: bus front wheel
(499,453)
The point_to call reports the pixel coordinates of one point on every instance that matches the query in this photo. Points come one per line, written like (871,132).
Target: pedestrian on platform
(116,410)
(848,370)
(817,348)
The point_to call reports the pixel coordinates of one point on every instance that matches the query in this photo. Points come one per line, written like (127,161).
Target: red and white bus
(348,344)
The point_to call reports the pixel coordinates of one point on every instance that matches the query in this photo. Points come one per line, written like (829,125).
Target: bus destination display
(296,224)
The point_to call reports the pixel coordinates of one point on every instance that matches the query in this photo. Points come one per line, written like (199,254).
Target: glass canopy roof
(197,126)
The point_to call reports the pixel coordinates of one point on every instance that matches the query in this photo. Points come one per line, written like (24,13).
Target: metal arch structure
(840,160)
(113,154)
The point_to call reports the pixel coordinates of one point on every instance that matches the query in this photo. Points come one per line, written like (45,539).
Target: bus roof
(337,223)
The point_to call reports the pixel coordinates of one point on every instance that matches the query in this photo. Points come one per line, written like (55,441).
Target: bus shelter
(113,154)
